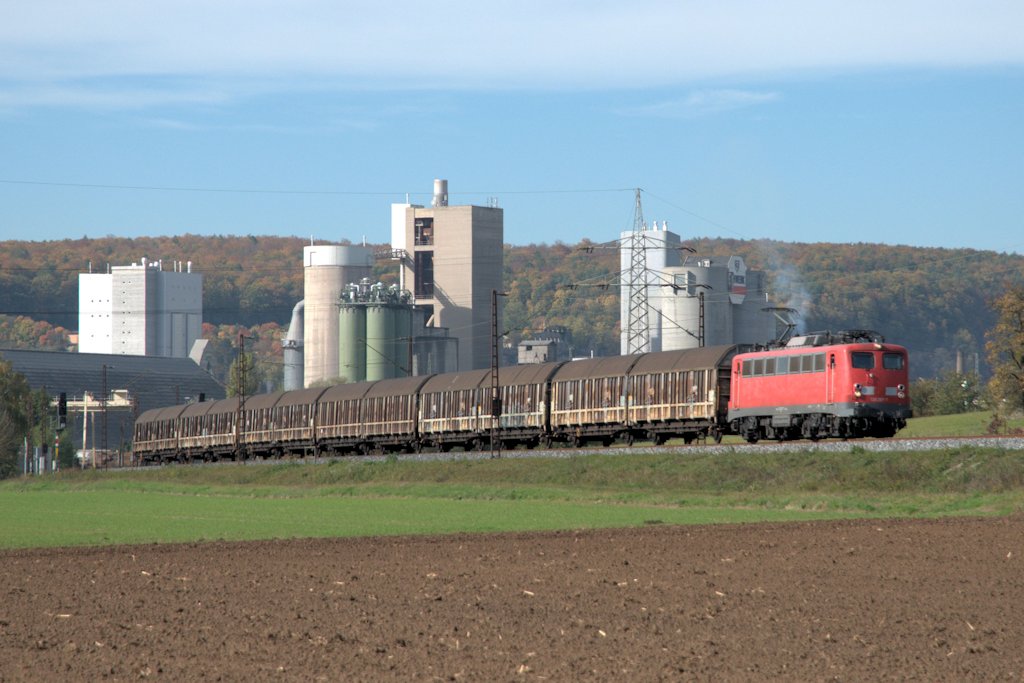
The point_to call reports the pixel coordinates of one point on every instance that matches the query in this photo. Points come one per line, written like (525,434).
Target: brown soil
(925,600)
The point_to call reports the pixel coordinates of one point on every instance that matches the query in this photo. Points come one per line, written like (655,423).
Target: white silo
(696,284)
(327,269)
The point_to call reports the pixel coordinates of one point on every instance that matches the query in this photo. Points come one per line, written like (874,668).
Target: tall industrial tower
(453,261)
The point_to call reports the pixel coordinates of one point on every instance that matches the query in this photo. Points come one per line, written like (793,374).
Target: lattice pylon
(638,333)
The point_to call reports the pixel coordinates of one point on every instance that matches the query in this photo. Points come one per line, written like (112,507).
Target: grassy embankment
(359,499)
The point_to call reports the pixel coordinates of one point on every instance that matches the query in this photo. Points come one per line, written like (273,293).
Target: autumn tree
(244,374)
(14,395)
(1005,350)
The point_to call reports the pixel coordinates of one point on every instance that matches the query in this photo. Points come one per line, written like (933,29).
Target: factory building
(661,251)
(140,310)
(552,344)
(452,261)
(711,304)
(327,270)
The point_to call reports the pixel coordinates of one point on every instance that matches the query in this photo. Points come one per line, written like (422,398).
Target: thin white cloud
(703,103)
(105,97)
(459,44)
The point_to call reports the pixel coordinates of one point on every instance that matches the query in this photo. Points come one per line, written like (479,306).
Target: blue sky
(820,121)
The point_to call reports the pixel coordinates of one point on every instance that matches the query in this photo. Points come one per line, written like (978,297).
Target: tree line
(937,302)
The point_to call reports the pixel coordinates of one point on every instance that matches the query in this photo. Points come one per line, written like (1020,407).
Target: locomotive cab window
(863,360)
(892,361)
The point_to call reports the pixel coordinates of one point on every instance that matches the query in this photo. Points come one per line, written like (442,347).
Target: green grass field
(287,500)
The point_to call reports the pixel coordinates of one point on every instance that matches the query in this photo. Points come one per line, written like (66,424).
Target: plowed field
(924,600)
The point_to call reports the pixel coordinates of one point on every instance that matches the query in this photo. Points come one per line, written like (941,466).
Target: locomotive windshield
(892,361)
(863,360)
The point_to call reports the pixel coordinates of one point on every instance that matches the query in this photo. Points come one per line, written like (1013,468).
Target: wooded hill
(935,301)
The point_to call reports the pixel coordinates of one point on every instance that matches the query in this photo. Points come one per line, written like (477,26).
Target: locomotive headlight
(857,390)
(901,391)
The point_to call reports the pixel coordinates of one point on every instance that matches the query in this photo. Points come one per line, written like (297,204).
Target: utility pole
(700,323)
(240,392)
(103,417)
(495,385)
(638,333)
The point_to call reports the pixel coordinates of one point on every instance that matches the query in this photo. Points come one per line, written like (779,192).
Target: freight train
(849,384)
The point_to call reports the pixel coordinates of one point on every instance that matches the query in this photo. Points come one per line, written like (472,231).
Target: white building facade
(140,310)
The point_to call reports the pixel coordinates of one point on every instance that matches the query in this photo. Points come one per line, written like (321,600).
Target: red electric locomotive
(847,384)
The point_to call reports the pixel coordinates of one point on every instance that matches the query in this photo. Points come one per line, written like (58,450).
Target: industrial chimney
(440,193)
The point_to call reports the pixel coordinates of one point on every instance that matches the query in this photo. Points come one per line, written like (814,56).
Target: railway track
(1013,443)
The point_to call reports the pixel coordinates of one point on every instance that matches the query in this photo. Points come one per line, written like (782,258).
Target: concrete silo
(327,268)
(681,307)
(733,305)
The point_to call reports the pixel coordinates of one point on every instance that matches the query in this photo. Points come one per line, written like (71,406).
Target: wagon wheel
(548,441)
(577,441)
(629,438)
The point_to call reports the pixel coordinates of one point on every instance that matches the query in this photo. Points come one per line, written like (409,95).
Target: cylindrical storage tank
(680,308)
(352,342)
(380,339)
(403,340)
(327,269)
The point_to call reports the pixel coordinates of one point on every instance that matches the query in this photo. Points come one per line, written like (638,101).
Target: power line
(243,190)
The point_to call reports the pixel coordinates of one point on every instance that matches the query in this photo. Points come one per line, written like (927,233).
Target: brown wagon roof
(197,409)
(300,396)
(157,414)
(688,359)
(397,386)
(536,373)
(454,381)
(261,401)
(227,405)
(610,366)
(342,392)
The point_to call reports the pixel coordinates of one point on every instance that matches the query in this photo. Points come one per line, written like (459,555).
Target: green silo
(352,342)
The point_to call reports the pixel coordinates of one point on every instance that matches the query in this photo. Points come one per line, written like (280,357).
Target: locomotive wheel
(716,434)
